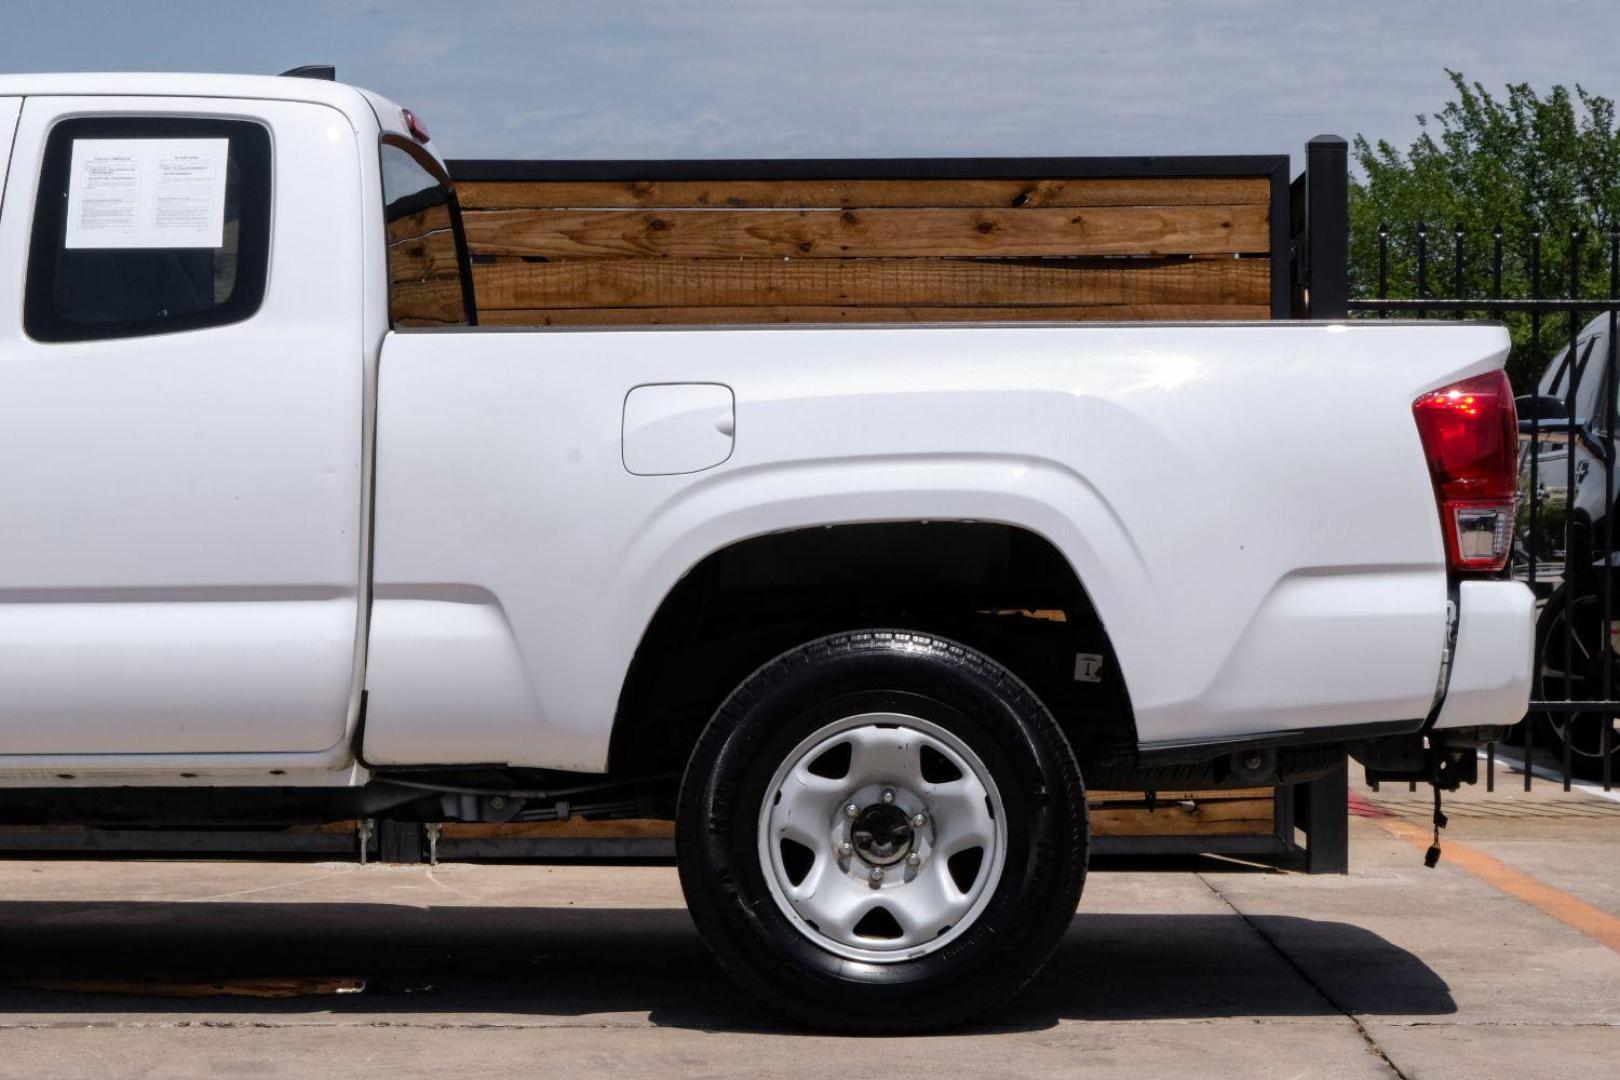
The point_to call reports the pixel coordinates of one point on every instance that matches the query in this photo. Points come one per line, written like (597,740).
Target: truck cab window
(148,225)
(428,281)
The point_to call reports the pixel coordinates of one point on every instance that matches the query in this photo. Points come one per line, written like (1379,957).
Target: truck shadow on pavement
(530,965)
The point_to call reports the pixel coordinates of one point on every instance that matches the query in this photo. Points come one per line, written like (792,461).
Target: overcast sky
(796,78)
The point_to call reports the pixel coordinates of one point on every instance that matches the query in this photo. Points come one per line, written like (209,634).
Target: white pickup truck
(284,537)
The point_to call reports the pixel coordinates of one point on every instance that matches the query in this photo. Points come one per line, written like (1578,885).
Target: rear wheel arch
(1002,589)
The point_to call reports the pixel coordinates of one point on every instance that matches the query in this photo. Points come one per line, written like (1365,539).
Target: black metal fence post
(1327,216)
(400,842)
(1322,807)
(1327,227)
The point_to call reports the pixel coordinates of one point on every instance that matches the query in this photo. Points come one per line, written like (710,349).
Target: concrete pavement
(1204,968)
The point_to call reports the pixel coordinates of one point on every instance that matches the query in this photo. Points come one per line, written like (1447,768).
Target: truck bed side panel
(1247,506)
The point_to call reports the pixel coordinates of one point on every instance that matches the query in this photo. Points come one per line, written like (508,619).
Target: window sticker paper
(147,193)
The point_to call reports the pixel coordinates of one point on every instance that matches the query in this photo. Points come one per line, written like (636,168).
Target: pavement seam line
(1361,1029)
(1553,902)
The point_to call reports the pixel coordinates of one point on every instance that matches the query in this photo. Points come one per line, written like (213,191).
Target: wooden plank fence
(706,243)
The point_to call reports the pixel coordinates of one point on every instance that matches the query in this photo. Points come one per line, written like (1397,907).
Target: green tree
(1519,163)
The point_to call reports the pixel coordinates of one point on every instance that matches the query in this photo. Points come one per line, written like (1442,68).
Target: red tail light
(1471,435)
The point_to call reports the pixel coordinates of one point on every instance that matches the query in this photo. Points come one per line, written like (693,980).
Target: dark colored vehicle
(1567,546)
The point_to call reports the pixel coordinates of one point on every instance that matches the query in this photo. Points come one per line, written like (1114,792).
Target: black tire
(1023,751)
(1579,735)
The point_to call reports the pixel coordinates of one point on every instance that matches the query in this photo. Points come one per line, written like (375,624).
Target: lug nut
(876,874)
(888,795)
(846,849)
(852,810)
(914,859)
(918,820)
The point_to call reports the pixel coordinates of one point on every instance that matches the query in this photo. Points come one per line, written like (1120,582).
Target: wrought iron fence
(1564,325)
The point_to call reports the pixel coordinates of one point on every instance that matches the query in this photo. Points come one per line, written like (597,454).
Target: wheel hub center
(882,834)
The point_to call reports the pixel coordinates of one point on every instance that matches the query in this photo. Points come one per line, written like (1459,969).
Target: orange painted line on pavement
(1362,808)
(1595,923)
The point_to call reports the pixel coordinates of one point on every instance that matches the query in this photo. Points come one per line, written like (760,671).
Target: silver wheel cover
(819,858)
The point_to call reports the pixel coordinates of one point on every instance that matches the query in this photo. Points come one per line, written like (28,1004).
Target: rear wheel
(882,831)
(1574,662)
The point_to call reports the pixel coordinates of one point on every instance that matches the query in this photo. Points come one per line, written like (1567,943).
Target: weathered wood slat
(1249,810)
(426,303)
(430,255)
(841,194)
(573,828)
(1207,818)
(256,986)
(1212,813)
(1117,230)
(619,283)
(1098,797)
(767,313)
(1215,819)
(423,275)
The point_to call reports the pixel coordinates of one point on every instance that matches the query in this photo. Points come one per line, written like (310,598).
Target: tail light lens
(414,125)
(1470,433)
